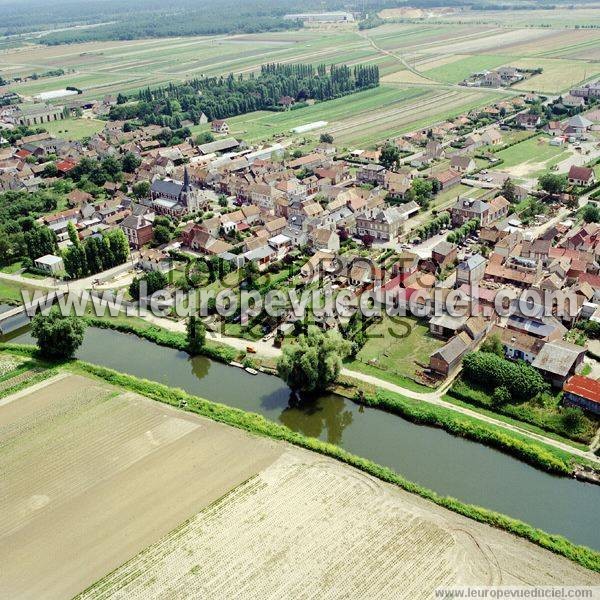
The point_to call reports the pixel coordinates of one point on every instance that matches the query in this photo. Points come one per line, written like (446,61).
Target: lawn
(397,346)
(74,129)
(531,156)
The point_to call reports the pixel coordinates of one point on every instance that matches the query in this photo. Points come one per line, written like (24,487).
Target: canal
(431,457)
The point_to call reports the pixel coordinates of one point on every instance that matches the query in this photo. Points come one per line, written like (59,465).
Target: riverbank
(257,424)
(554,459)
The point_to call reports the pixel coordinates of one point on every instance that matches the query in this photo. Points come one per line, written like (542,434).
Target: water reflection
(200,365)
(311,416)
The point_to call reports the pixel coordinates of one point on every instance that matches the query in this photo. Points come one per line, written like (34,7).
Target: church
(175,198)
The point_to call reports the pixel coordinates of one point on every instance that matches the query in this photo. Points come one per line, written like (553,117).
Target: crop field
(108,67)
(380,542)
(365,118)
(91,476)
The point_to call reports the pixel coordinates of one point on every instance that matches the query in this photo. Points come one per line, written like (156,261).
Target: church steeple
(186,180)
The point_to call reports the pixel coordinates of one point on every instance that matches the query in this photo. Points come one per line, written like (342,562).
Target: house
(371,173)
(444,253)
(558,360)
(50,263)
(448,358)
(325,239)
(582,392)
(137,229)
(462,163)
(471,270)
(577,126)
(518,345)
(491,137)
(448,178)
(381,224)
(219,126)
(582,176)
(573,101)
(528,120)
(466,209)
(553,128)
(155,260)
(434,150)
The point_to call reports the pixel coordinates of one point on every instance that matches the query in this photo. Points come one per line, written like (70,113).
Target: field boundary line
(34,388)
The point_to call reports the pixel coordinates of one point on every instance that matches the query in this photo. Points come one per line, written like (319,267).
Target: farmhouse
(219,126)
(583,176)
(559,360)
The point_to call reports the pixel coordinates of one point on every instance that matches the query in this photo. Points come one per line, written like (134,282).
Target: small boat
(251,371)
(236,364)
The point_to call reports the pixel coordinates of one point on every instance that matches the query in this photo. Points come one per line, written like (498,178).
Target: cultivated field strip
(91,476)
(308,527)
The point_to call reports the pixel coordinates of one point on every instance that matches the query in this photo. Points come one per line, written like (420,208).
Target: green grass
(10,292)
(74,129)
(455,72)
(532,151)
(546,416)
(395,346)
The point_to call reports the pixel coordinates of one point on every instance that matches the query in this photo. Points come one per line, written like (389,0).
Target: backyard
(395,349)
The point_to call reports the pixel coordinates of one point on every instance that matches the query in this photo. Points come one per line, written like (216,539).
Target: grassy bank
(546,417)
(257,424)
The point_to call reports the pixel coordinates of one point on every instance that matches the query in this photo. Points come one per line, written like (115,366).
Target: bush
(521,380)
(501,396)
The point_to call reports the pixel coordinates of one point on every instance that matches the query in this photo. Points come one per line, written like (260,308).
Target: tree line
(227,96)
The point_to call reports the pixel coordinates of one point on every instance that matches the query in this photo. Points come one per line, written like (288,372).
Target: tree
(508,190)
(326,138)
(162,234)
(141,190)
(423,190)
(591,213)
(552,183)
(204,138)
(314,362)
(131,162)
(196,335)
(57,336)
(154,281)
(389,156)
(501,396)
(572,419)
(494,345)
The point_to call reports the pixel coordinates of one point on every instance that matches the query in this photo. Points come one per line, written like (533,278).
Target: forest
(227,96)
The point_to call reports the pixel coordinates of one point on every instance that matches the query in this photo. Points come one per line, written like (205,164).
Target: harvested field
(309,527)
(92,476)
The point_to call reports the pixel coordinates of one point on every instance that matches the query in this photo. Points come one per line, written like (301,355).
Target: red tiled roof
(583,386)
(22,153)
(65,165)
(582,173)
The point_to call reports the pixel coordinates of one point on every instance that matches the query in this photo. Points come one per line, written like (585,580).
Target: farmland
(420,65)
(366,118)
(92,476)
(74,129)
(398,545)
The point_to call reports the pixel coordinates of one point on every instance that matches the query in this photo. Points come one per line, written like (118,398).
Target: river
(447,464)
